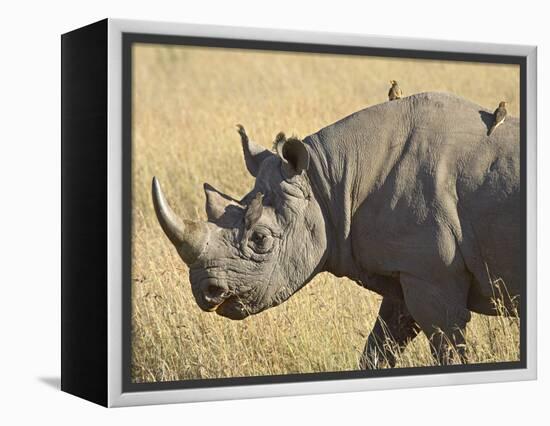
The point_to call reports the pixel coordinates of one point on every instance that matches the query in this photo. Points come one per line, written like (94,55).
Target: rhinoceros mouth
(232,308)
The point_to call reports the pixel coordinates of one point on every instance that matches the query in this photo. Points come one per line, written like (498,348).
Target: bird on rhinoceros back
(395,91)
(499,116)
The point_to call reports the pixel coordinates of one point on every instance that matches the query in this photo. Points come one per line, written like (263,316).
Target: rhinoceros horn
(189,237)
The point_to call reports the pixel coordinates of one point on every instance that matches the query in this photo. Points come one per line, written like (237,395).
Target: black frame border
(129,39)
(84,234)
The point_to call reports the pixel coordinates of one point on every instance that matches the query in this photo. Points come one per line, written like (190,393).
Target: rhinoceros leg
(441,311)
(393,330)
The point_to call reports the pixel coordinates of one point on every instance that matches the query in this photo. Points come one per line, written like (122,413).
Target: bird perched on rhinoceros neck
(395,91)
(499,116)
(253,212)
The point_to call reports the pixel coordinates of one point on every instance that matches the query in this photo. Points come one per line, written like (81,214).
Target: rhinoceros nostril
(215,293)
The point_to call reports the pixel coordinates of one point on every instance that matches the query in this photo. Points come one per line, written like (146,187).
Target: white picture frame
(116,394)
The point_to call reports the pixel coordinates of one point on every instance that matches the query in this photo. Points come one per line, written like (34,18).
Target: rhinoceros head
(254,253)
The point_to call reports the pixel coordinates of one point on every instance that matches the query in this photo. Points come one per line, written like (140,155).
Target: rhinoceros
(410,199)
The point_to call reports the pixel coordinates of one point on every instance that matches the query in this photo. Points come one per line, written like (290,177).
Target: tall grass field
(186,102)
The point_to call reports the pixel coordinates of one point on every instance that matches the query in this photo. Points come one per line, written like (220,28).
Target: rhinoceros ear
(294,154)
(254,154)
(217,203)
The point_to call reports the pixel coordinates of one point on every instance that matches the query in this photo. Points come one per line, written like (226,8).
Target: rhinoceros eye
(261,241)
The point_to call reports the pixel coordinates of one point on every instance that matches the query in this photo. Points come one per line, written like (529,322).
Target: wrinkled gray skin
(410,198)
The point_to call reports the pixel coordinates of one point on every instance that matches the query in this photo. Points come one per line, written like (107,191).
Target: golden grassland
(186,102)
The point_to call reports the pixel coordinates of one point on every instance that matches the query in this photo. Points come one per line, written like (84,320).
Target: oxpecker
(395,91)
(499,117)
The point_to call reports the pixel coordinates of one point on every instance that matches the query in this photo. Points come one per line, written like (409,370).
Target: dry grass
(186,103)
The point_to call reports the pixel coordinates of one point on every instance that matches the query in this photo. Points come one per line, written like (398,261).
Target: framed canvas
(374,226)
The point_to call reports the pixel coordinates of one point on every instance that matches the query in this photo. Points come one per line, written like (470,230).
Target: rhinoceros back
(427,155)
